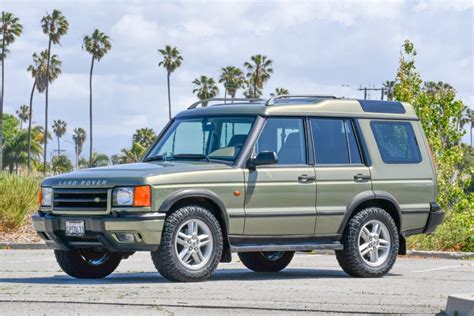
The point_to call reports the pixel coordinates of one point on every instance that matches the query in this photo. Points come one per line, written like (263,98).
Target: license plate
(75,228)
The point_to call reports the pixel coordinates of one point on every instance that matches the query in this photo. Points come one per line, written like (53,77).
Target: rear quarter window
(396,142)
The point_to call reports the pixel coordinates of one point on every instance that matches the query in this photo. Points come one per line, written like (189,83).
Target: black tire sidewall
(350,258)
(166,259)
(257,262)
(73,264)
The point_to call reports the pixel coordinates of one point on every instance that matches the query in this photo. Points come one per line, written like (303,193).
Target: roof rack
(205,102)
(271,101)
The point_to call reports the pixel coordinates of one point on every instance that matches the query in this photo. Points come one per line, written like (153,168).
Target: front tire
(273,261)
(191,245)
(370,243)
(88,263)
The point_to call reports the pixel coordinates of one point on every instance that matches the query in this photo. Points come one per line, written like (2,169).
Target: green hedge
(18,197)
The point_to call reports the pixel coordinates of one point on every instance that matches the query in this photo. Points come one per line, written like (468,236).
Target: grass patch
(18,197)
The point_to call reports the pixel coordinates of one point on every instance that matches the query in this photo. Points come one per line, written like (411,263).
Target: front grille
(80,200)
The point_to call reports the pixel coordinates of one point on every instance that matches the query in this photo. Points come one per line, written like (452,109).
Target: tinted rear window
(396,142)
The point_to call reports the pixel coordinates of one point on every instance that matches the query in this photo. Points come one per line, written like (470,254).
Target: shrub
(18,197)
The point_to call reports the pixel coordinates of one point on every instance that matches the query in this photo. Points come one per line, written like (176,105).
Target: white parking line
(439,268)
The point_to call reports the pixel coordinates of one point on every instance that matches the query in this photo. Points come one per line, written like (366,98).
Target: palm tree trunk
(169,95)
(225,95)
(59,147)
(90,112)
(28,161)
(45,149)
(77,157)
(471,132)
(1,101)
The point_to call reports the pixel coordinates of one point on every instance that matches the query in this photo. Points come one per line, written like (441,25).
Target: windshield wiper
(155,158)
(191,156)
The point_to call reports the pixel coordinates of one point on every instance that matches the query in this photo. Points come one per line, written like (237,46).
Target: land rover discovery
(262,179)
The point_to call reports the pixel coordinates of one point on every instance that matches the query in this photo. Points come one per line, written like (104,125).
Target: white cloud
(133,29)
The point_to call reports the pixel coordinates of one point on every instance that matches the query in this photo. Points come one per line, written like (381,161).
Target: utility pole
(367,89)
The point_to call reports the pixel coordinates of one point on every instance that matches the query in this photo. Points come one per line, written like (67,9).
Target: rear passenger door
(340,171)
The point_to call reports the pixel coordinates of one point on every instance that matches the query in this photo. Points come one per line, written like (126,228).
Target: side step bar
(254,247)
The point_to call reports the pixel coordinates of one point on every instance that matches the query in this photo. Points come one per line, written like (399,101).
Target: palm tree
(54,26)
(38,73)
(172,59)
(233,79)
(279,91)
(133,154)
(98,160)
(389,91)
(10,30)
(15,150)
(470,114)
(258,72)
(145,137)
(59,129)
(205,87)
(98,44)
(61,164)
(79,137)
(23,114)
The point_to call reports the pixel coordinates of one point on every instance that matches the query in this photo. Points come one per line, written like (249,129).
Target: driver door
(280,199)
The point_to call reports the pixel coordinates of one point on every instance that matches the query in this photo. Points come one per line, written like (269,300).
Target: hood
(127,174)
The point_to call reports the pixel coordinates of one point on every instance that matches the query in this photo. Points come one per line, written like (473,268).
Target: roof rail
(271,101)
(205,102)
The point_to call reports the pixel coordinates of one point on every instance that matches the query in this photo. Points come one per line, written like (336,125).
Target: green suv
(262,179)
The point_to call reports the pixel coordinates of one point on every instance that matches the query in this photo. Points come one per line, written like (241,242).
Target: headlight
(46,196)
(123,196)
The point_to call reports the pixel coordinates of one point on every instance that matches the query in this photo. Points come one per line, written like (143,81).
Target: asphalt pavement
(32,283)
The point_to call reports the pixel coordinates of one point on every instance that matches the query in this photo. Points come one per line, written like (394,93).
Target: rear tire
(266,261)
(88,263)
(191,245)
(370,242)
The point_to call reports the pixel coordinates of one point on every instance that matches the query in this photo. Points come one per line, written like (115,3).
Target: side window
(285,136)
(396,142)
(335,141)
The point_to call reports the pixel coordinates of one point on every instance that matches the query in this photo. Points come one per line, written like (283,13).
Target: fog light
(125,237)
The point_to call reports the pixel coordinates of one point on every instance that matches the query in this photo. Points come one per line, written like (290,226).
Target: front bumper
(435,218)
(100,231)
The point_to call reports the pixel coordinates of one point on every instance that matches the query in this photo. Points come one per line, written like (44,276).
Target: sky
(317,47)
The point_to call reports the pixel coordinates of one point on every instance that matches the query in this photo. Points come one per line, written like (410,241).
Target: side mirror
(265,158)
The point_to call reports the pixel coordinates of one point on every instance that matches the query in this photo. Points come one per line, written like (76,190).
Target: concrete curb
(28,246)
(440,254)
(421,254)
(460,304)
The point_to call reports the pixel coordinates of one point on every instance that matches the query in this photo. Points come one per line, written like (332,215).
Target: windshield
(204,138)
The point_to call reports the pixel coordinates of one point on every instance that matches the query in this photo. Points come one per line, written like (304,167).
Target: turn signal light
(40,196)
(142,196)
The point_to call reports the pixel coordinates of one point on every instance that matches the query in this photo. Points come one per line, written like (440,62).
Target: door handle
(306,178)
(361,178)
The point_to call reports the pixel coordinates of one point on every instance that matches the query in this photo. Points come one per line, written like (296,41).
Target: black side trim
(415,212)
(377,106)
(282,214)
(335,213)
